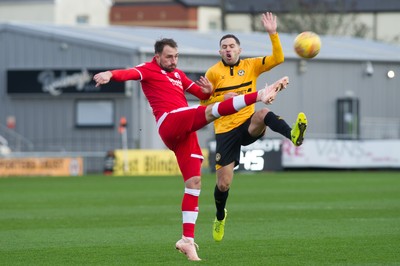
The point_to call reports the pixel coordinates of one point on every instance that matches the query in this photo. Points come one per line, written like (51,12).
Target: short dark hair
(159,45)
(229,36)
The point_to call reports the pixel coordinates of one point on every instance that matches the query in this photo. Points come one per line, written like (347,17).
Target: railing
(16,142)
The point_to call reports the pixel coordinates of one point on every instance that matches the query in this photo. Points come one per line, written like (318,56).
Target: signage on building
(57,81)
(148,162)
(41,166)
(346,154)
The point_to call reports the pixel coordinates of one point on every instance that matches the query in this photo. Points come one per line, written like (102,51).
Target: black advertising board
(58,81)
(262,155)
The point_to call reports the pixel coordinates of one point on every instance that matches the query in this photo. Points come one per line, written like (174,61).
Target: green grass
(288,218)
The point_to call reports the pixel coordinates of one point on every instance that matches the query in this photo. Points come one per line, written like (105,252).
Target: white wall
(63,12)
(96,12)
(209,19)
(238,23)
(27,12)
(387,28)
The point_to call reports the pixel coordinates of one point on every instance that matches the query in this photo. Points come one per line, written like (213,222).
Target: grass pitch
(287,218)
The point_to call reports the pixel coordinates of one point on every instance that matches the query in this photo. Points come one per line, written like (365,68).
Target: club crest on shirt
(177,75)
(241,72)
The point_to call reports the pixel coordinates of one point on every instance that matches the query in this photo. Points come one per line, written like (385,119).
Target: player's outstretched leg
(268,94)
(219,228)
(188,247)
(234,104)
(299,129)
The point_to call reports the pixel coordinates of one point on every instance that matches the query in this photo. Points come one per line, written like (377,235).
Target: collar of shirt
(225,64)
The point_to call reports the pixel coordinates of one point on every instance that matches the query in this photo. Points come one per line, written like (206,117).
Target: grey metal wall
(316,91)
(48,122)
(316,87)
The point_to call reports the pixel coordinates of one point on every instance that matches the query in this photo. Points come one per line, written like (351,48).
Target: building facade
(373,19)
(48,102)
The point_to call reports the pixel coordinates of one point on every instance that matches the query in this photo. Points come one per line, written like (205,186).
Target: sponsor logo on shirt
(176,82)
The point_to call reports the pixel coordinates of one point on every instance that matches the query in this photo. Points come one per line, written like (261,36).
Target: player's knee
(257,125)
(223,185)
(194,182)
(262,112)
(258,117)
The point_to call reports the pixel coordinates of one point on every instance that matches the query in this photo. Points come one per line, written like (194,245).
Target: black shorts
(229,144)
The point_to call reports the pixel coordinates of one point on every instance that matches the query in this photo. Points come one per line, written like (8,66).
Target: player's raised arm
(269,22)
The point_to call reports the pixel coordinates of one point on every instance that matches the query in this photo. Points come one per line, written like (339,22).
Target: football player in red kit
(164,87)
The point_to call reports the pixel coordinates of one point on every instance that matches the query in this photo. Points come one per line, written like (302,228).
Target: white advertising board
(328,153)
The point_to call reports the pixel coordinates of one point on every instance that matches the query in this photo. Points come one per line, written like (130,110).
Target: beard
(169,68)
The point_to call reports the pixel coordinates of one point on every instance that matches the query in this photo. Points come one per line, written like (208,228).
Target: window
(82,19)
(212,25)
(94,113)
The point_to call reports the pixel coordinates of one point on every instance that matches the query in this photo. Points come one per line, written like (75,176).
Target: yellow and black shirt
(241,79)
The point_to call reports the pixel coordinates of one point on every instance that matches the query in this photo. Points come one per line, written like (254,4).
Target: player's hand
(205,84)
(269,22)
(229,95)
(102,78)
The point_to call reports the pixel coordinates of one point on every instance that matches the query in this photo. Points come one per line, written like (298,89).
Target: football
(307,44)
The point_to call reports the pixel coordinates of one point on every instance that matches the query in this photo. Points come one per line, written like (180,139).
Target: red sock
(190,210)
(234,104)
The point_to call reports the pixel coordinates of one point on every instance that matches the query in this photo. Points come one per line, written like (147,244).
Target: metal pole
(124,137)
(223,14)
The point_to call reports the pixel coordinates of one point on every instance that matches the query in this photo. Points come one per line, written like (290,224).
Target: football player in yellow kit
(230,77)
